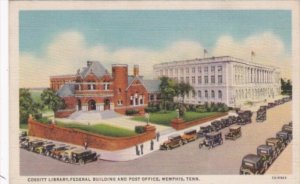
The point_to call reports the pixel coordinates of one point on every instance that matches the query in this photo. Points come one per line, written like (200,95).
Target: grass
(102,129)
(165,118)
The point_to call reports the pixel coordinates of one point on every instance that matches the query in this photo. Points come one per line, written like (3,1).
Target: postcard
(154,92)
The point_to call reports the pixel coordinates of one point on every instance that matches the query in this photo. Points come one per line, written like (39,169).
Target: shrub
(44,120)
(151,109)
(139,129)
(131,112)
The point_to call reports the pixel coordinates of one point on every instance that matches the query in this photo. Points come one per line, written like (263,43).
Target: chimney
(136,70)
(89,63)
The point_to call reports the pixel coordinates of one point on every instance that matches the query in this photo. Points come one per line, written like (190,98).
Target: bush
(131,112)
(44,120)
(151,109)
(139,129)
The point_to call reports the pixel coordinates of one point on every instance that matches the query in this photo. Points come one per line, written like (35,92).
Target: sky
(60,42)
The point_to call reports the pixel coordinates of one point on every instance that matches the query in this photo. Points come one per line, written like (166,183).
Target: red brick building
(93,88)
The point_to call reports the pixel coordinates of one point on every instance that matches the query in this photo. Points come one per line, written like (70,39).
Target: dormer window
(106,86)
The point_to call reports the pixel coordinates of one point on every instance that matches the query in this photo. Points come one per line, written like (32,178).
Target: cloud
(69,51)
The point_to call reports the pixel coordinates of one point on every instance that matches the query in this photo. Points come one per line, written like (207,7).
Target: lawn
(102,129)
(164,118)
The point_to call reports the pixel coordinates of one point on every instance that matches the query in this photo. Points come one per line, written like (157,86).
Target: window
(181,79)
(212,94)
(193,95)
(212,79)
(206,94)
(120,102)
(212,69)
(206,69)
(181,71)
(199,79)
(176,71)
(120,90)
(106,86)
(171,72)
(187,79)
(151,97)
(199,69)
(187,70)
(220,80)
(199,94)
(219,68)
(193,80)
(193,70)
(206,79)
(220,94)
(131,100)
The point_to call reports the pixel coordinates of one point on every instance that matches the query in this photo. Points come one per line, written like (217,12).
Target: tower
(120,78)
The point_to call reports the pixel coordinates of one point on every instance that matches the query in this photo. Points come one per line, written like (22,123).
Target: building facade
(93,88)
(223,79)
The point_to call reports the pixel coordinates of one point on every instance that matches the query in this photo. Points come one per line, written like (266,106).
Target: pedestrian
(137,150)
(85,145)
(151,145)
(157,136)
(142,147)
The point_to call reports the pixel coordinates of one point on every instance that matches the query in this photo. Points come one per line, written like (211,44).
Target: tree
(27,106)
(52,100)
(167,90)
(183,89)
(286,87)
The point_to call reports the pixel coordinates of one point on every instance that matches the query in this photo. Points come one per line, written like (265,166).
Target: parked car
(284,137)
(34,144)
(45,149)
(57,151)
(271,104)
(189,135)
(66,155)
(253,164)
(277,145)
(291,123)
(217,125)
(211,140)
(80,156)
(235,132)
(267,153)
(225,122)
(261,115)
(289,129)
(173,141)
(204,130)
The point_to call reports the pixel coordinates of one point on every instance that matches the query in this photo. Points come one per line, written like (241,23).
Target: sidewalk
(130,153)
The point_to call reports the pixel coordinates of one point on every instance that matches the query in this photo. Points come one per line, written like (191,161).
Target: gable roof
(152,85)
(93,66)
(66,90)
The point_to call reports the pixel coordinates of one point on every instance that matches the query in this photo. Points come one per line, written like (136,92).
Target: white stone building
(224,79)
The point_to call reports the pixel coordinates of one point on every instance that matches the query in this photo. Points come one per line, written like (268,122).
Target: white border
(152,5)
(4,156)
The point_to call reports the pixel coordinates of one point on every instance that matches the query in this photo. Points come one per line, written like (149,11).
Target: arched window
(220,94)
(212,94)
(199,94)
(206,94)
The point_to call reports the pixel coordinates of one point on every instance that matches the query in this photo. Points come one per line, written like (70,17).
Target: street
(185,160)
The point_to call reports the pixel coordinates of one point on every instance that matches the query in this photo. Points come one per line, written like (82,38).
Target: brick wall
(78,137)
(180,124)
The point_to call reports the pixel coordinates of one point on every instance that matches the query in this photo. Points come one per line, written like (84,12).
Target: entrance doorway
(106,104)
(92,105)
(79,105)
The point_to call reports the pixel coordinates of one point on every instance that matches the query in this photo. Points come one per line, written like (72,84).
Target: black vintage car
(245,117)
(174,141)
(267,153)
(271,104)
(277,145)
(232,120)
(217,125)
(81,156)
(261,114)
(289,129)
(204,130)
(253,164)
(225,122)
(211,140)
(33,145)
(284,137)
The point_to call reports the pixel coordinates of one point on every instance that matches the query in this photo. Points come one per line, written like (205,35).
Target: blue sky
(60,42)
(150,29)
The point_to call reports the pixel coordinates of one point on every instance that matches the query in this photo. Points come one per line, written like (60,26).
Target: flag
(205,51)
(252,53)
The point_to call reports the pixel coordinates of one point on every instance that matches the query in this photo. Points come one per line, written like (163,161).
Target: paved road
(188,159)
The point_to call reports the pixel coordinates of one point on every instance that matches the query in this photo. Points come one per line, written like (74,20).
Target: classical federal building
(94,88)
(223,79)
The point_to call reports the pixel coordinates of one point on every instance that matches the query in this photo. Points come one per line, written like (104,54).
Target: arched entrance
(79,105)
(92,105)
(106,104)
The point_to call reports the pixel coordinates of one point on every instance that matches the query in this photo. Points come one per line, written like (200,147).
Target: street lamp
(147,115)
